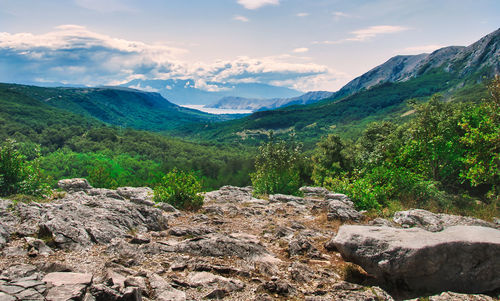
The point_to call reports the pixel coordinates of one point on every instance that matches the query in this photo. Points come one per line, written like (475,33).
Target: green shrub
(277,168)
(18,176)
(180,189)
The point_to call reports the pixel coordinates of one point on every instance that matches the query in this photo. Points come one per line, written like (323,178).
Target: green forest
(442,155)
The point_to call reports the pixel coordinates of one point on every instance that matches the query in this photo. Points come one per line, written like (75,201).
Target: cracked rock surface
(102,244)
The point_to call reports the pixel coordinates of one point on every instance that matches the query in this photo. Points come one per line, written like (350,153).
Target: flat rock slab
(217,245)
(462,259)
(67,278)
(79,220)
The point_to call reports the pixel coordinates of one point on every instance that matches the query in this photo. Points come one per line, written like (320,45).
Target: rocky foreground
(100,244)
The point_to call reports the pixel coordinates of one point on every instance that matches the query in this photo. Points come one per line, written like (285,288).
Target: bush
(180,189)
(18,176)
(277,168)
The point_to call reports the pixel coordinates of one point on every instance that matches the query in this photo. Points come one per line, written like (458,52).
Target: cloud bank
(255,4)
(73,54)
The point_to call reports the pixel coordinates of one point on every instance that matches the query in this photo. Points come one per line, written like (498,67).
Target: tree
(18,175)
(482,140)
(330,159)
(277,167)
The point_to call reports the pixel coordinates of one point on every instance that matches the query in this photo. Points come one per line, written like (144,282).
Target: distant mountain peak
(482,56)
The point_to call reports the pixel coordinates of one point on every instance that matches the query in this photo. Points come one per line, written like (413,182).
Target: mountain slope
(257,104)
(468,63)
(118,106)
(380,93)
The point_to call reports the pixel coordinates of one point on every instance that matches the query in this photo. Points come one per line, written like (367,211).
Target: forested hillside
(77,145)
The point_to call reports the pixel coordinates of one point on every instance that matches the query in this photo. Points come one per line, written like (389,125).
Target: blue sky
(301,44)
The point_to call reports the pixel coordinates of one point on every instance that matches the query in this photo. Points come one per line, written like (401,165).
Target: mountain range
(186,92)
(381,93)
(481,56)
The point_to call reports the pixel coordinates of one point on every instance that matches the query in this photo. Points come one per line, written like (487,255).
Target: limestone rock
(230,194)
(185,231)
(302,246)
(138,195)
(218,245)
(343,210)
(339,197)
(204,279)
(78,220)
(66,278)
(163,291)
(352,292)
(460,297)
(459,258)
(103,192)
(310,191)
(279,287)
(435,222)
(39,246)
(74,185)
(283,198)
(167,207)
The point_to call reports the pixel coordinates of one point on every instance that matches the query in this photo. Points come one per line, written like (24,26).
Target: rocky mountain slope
(258,104)
(382,93)
(101,244)
(481,57)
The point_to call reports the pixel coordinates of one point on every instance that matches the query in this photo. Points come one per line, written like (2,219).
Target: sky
(301,44)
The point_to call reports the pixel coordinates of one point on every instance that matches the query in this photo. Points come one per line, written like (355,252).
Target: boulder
(283,198)
(343,210)
(167,207)
(38,246)
(314,192)
(66,278)
(339,197)
(435,222)
(103,192)
(138,195)
(206,279)
(230,194)
(460,258)
(218,245)
(163,291)
(67,285)
(78,220)
(74,185)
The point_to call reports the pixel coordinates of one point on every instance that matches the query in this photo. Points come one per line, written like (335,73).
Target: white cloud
(240,18)
(301,50)
(368,33)
(302,15)
(255,4)
(107,6)
(77,55)
(420,49)
(373,31)
(337,15)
